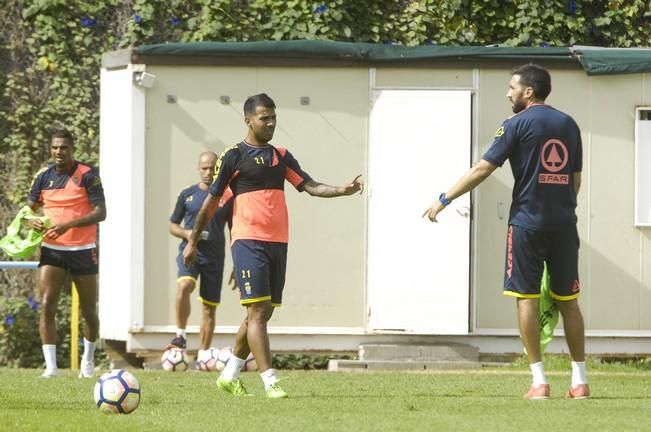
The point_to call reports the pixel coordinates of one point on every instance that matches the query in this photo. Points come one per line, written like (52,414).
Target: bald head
(206,166)
(208,156)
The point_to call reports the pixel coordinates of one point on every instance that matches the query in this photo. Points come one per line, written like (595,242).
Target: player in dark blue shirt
(209,266)
(543,146)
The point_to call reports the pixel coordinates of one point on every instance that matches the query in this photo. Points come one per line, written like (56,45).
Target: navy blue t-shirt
(49,179)
(229,161)
(186,209)
(543,146)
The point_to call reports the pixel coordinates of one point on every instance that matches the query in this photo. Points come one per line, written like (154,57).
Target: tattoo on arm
(322,190)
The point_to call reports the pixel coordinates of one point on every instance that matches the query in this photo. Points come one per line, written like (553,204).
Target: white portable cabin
(412,120)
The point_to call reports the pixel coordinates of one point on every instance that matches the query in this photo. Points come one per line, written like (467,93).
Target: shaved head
(207,156)
(206,167)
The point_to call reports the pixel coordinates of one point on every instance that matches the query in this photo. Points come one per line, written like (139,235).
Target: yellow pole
(74,330)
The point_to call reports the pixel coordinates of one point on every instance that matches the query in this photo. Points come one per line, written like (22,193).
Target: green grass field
(483,400)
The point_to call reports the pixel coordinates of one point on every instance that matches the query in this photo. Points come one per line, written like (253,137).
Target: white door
(418,271)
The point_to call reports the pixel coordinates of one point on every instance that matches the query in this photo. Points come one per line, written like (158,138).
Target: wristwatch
(444,200)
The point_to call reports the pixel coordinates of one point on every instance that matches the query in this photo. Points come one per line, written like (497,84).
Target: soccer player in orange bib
(256,172)
(72,197)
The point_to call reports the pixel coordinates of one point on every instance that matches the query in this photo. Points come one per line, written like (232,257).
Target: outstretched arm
(322,190)
(477,174)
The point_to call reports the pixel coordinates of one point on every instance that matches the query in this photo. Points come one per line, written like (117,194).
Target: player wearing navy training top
(256,172)
(543,146)
(209,267)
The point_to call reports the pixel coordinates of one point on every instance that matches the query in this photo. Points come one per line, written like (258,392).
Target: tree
(50,50)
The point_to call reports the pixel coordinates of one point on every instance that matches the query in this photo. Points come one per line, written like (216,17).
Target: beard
(518,105)
(265,135)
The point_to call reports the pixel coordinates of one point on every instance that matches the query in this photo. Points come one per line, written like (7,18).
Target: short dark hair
(259,100)
(536,77)
(62,133)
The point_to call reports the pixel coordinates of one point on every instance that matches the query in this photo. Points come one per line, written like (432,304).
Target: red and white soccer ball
(175,360)
(117,392)
(250,364)
(222,358)
(207,359)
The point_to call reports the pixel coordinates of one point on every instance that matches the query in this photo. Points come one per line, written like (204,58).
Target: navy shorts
(78,262)
(526,252)
(210,274)
(260,270)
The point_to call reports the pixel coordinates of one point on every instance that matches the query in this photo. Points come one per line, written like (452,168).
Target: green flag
(22,242)
(547,311)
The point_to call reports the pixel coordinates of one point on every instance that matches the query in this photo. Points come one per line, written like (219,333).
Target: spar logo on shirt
(553,158)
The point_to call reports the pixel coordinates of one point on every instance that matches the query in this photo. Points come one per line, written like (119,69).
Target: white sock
(180,332)
(579,374)
(233,368)
(89,351)
(50,356)
(538,373)
(269,378)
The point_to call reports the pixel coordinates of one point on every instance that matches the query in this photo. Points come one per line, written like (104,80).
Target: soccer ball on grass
(226,353)
(207,359)
(117,392)
(222,358)
(175,360)
(250,364)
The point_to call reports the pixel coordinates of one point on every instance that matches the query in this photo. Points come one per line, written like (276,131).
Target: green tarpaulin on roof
(609,61)
(594,60)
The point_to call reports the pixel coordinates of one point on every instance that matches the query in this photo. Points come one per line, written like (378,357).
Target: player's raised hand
(357,185)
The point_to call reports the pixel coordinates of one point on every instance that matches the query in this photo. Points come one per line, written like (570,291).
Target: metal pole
(19,264)
(74,330)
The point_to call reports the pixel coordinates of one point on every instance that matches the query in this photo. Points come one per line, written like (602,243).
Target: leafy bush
(306,361)
(51,49)
(50,58)
(20,343)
